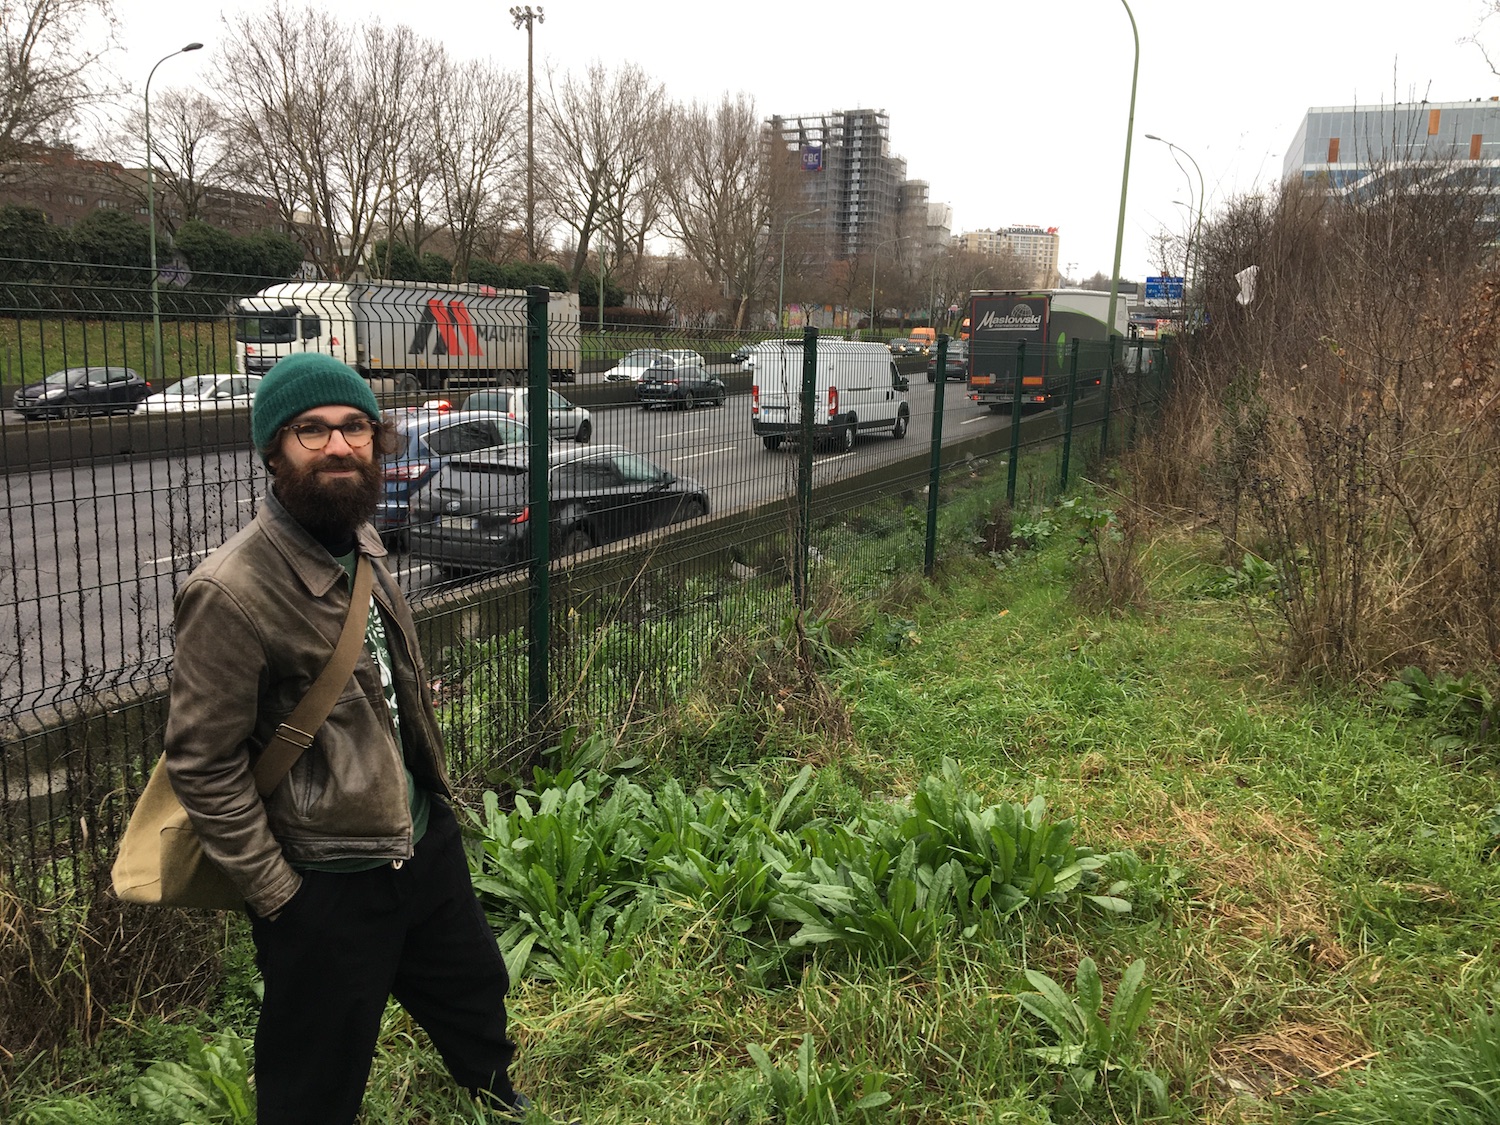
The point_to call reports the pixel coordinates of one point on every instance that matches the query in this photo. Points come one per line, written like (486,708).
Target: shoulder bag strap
(296,734)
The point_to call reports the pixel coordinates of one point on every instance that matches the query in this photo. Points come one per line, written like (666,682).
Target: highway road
(96,553)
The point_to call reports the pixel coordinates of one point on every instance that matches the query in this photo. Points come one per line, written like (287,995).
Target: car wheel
(691,510)
(931,378)
(574,542)
(720,400)
(771,441)
(585,431)
(846,436)
(407,384)
(687,400)
(899,429)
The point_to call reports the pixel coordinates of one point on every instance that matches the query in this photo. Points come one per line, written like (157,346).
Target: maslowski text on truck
(405,337)
(1046,322)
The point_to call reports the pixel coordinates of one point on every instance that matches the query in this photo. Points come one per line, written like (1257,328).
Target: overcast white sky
(1013,112)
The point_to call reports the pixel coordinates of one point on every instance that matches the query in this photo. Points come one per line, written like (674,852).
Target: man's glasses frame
(312,436)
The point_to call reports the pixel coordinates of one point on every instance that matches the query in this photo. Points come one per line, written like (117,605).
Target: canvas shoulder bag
(161,861)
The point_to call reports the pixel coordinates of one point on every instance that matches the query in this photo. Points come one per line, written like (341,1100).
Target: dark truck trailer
(1046,322)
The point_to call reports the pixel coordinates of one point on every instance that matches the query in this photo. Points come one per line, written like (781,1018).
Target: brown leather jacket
(256,622)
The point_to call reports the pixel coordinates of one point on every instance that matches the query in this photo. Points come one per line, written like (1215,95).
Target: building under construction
(848,172)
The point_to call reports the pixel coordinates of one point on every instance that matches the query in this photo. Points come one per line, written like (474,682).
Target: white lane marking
(190,555)
(705,453)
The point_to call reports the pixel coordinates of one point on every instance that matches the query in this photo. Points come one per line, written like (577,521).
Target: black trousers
(343,945)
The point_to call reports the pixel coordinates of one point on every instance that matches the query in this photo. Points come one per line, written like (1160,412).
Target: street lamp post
(875,261)
(1192,260)
(781,278)
(151,219)
(1135,69)
(525,17)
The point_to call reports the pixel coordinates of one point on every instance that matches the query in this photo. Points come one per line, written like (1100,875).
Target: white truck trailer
(406,336)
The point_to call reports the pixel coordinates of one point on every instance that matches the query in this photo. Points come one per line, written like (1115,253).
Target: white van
(858,389)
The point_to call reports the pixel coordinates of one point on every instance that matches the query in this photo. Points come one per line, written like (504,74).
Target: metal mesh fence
(684,502)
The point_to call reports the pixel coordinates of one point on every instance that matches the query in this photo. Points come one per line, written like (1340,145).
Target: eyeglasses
(315,435)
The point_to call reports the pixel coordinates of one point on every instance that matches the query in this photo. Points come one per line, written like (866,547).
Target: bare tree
(475,116)
(596,149)
(319,115)
(51,75)
(189,159)
(719,201)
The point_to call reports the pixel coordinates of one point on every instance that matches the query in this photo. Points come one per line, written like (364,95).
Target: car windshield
(69,378)
(277,326)
(488,400)
(195,387)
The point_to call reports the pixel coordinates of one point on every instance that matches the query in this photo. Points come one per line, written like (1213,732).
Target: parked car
(743,355)
(632,365)
(957,366)
(202,392)
(426,440)
(475,515)
(679,382)
(564,420)
(76,391)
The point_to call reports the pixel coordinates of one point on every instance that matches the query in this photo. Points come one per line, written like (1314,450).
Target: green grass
(31,348)
(1308,878)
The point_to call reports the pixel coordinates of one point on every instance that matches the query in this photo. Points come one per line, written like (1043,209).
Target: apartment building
(845,166)
(66,187)
(1037,247)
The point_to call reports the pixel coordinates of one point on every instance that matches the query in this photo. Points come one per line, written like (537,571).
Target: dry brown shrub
(70,968)
(1346,424)
(1110,576)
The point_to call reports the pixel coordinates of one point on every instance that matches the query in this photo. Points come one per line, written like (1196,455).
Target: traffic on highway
(97,551)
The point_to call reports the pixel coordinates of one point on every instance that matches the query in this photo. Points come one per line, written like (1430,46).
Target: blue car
(427,438)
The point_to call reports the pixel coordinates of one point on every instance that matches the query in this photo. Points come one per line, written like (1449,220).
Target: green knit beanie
(303,382)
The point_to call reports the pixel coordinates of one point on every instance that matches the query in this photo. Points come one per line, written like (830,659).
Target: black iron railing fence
(692,511)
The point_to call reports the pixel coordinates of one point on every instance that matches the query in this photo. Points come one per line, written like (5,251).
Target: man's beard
(330,508)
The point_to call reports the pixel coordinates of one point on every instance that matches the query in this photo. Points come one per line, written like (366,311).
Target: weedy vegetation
(1065,862)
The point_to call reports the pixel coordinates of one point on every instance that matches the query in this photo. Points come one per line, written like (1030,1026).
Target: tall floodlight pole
(781,278)
(1135,69)
(1198,217)
(151,218)
(874,262)
(523,16)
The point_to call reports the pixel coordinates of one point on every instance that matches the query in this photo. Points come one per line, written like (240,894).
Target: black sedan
(76,391)
(670,382)
(474,515)
(957,366)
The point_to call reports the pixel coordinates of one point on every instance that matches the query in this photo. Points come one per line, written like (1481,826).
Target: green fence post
(935,470)
(1067,449)
(538,640)
(804,465)
(1015,424)
(1109,384)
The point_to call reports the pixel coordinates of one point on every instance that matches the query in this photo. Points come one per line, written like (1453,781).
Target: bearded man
(352,868)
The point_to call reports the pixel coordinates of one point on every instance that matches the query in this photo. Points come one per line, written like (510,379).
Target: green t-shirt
(420,799)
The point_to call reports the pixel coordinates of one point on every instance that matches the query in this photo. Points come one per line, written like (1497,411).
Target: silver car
(564,420)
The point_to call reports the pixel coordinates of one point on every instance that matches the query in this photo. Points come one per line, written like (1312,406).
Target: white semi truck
(405,336)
